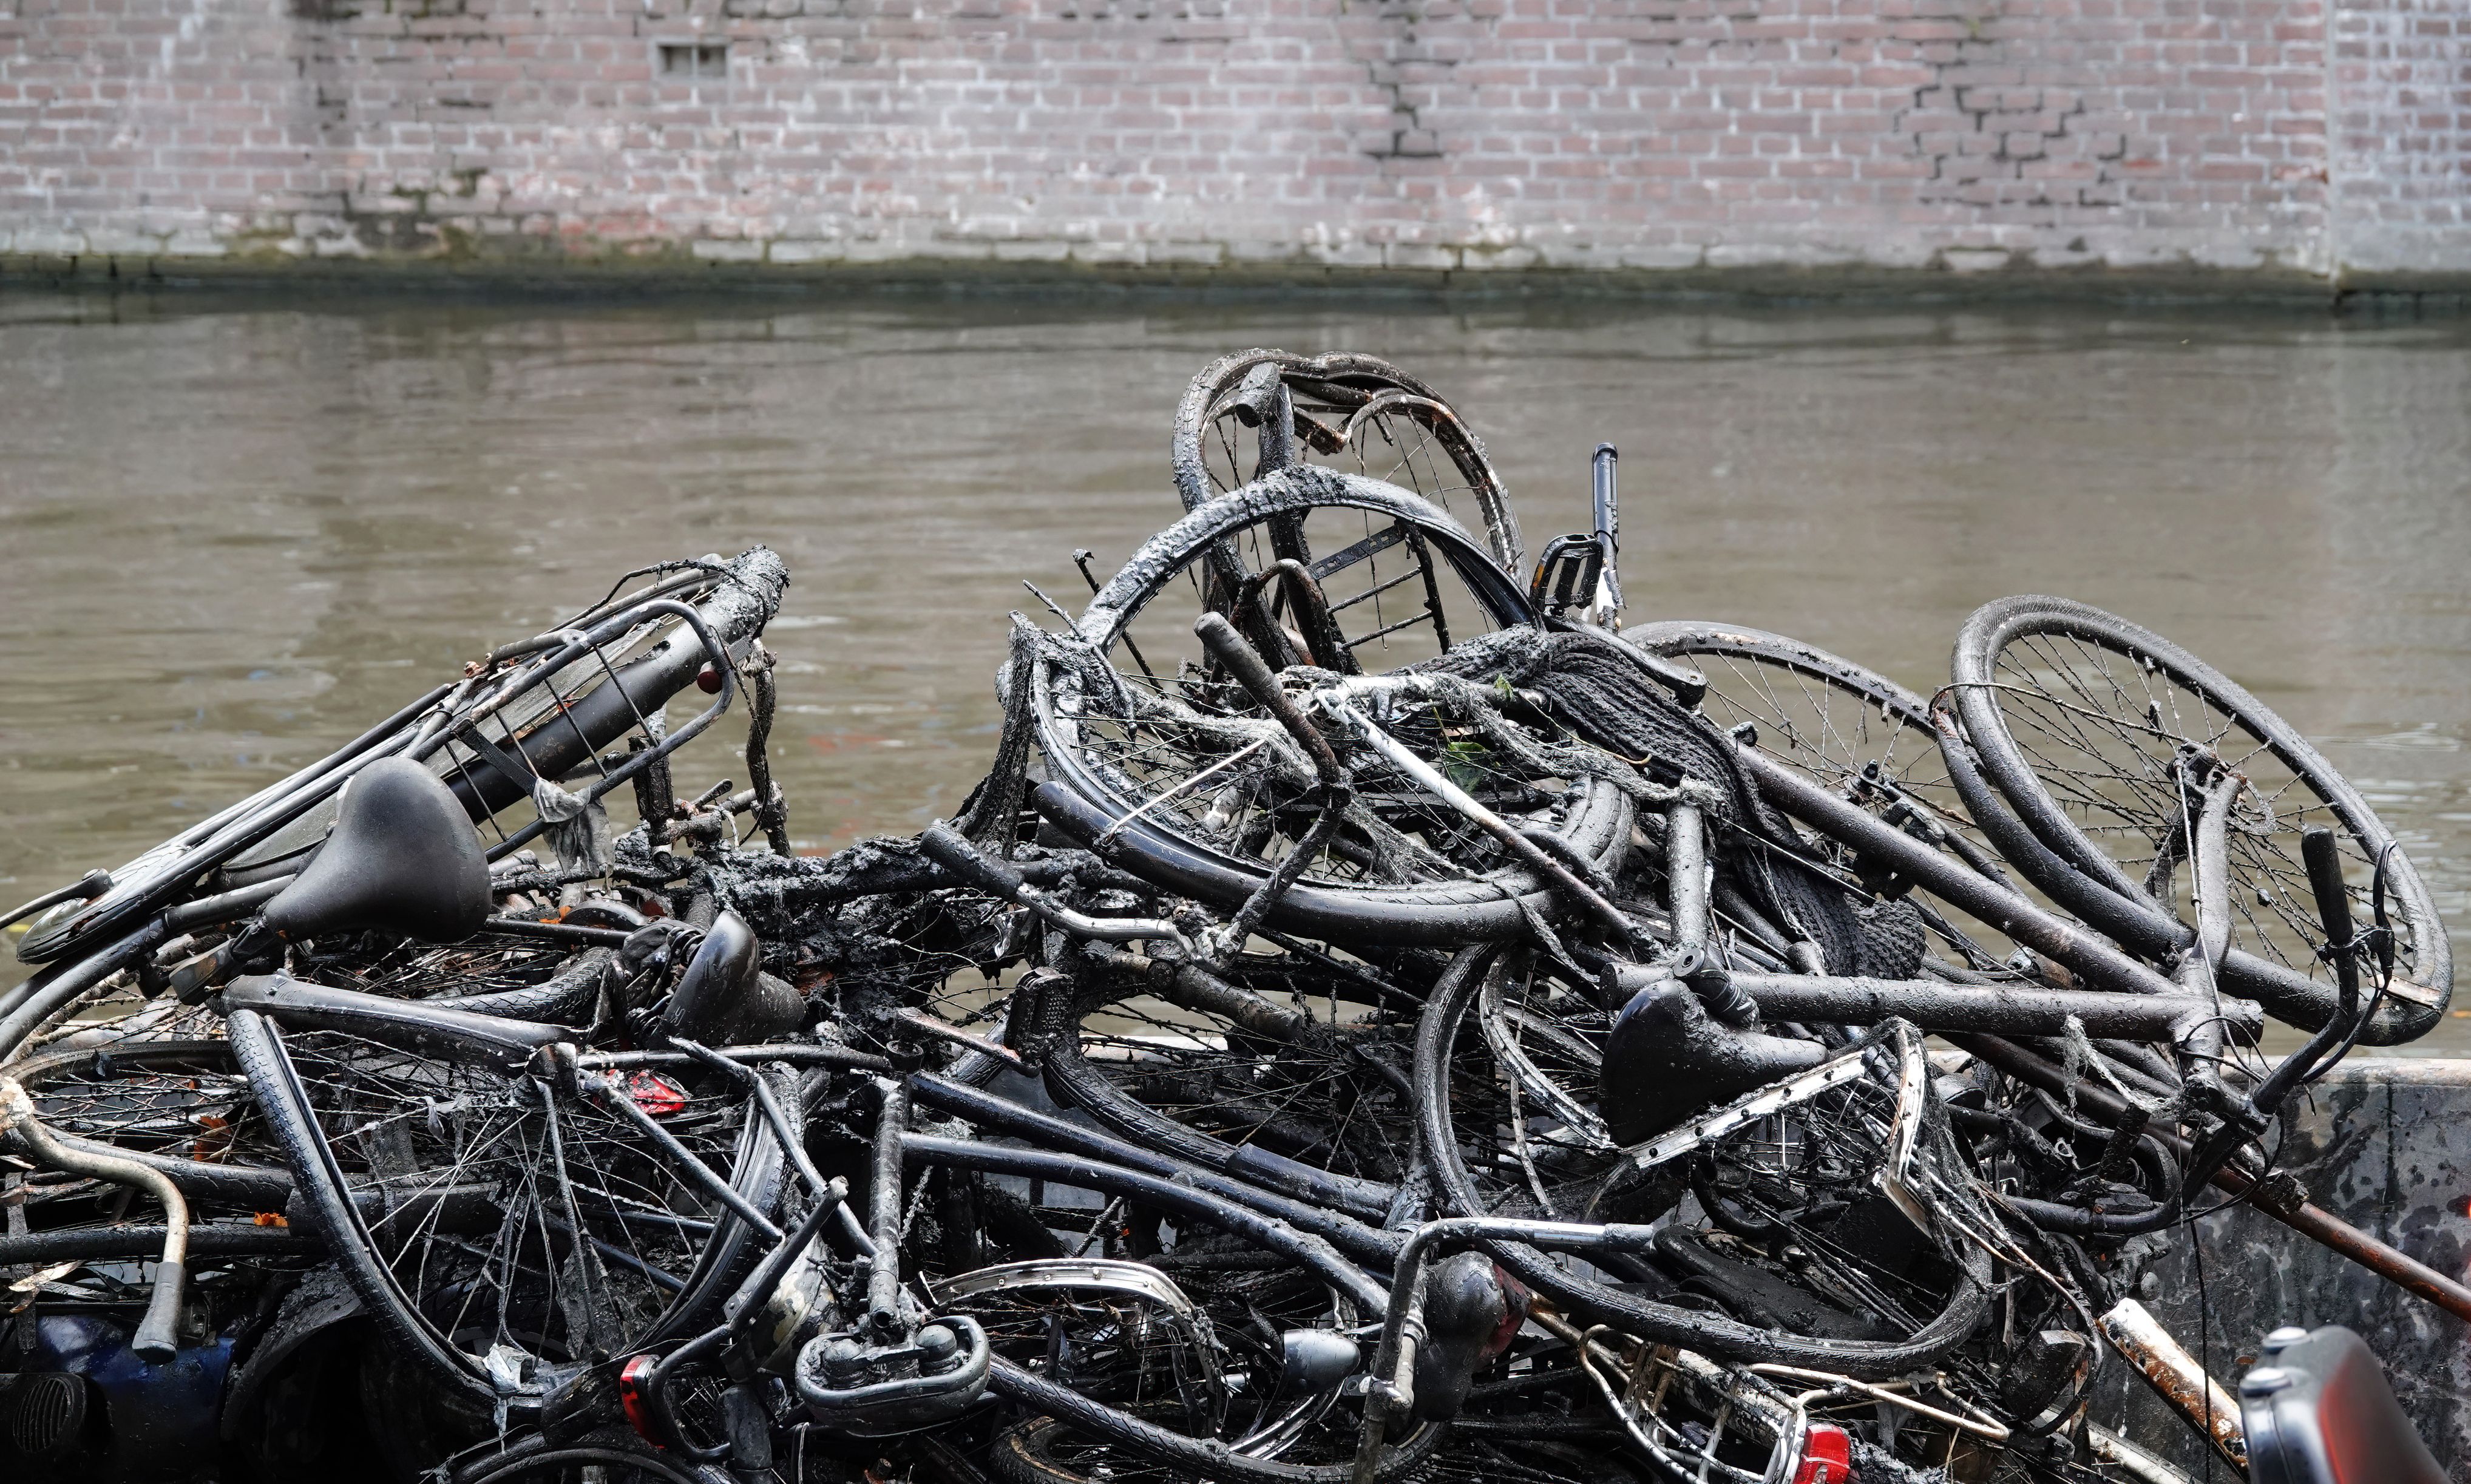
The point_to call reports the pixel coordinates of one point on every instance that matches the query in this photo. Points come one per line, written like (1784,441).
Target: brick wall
(1649,135)
(2401,129)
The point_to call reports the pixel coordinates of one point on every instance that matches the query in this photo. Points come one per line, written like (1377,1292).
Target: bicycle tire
(2055,670)
(1202,421)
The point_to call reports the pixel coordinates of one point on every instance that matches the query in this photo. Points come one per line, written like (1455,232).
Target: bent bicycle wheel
(1178,768)
(2080,719)
(1807,1269)
(513,1230)
(1519,1065)
(1353,412)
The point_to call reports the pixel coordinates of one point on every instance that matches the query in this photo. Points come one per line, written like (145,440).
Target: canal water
(239,530)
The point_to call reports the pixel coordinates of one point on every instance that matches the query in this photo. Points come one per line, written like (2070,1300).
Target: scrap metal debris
(1378,1019)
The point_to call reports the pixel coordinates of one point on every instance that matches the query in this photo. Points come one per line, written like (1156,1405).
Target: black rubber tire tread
(1989,631)
(1589,1302)
(1193,482)
(1207,1461)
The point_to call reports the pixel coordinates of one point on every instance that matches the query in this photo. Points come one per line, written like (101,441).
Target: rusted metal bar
(2178,1378)
(2303,1216)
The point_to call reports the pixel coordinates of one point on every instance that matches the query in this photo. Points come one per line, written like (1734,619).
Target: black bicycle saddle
(403,857)
(723,997)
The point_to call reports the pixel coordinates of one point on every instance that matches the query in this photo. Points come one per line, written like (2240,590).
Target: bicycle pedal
(1568,573)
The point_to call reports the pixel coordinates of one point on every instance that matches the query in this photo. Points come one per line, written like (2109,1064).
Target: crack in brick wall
(1450,134)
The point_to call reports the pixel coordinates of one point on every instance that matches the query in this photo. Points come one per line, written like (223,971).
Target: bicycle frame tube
(1947,878)
(1933,1005)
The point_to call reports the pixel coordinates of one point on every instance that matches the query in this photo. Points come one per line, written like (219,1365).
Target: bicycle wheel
(1524,1060)
(1829,718)
(1353,412)
(1133,749)
(1887,1299)
(1850,730)
(513,1230)
(2079,718)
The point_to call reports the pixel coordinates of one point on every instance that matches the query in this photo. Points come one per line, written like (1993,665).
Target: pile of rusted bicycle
(1378,1019)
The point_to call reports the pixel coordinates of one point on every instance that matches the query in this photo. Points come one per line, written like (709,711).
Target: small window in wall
(695,59)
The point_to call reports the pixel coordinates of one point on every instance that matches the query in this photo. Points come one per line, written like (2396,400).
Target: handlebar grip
(2324,863)
(944,845)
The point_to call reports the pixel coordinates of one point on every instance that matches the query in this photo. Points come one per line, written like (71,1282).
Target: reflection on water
(240,532)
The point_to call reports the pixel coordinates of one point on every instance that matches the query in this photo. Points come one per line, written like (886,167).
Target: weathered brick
(1486,134)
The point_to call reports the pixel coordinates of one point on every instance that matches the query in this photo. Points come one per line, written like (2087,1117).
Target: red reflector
(657,1094)
(631,1395)
(1826,1455)
(708,680)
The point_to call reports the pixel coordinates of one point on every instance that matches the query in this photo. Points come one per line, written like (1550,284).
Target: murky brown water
(237,533)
